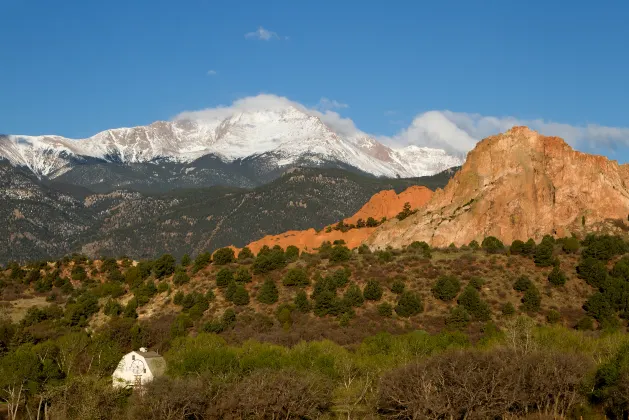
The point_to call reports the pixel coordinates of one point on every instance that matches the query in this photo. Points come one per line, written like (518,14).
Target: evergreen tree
(556,277)
(243,275)
(397,287)
(353,296)
(446,288)
(458,318)
(185,260)
(532,300)
(301,302)
(292,253)
(340,253)
(373,290)
(245,254)
(224,277)
(164,266)
(268,293)
(385,309)
(470,300)
(409,304)
(296,277)
(224,256)
(181,277)
(492,245)
(543,256)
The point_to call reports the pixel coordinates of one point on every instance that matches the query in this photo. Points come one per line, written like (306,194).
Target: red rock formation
(383,204)
(518,185)
(388,204)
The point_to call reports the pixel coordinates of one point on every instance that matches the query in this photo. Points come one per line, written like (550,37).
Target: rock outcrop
(518,185)
(383,204)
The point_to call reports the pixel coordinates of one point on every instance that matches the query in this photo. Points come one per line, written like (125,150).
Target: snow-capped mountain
(288,134)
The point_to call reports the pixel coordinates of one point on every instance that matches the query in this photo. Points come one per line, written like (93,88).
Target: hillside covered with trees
(338,332)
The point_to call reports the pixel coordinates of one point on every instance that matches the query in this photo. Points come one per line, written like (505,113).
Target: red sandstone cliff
(383,204)
(518,185)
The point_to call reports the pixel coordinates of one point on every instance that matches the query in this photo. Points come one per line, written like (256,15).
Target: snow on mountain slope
(288,132)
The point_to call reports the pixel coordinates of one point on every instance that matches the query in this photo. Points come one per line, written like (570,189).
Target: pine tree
(268,293)
(373,290)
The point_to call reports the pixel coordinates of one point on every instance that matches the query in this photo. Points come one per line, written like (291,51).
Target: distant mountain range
(44,219)
(244,149)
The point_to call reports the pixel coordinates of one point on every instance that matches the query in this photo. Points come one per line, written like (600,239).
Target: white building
(138,368)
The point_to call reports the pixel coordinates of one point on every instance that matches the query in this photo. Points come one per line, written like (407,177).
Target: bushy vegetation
(490,295)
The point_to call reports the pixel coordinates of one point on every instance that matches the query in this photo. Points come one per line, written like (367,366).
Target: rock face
(388,204)
(383,204)
(518,185)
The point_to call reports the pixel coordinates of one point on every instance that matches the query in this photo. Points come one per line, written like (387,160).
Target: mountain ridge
(289,133)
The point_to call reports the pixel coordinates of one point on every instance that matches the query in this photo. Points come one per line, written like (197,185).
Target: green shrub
(268,293)
(185,260)
(517,247)
(353,296)
(224,277)
(164,266)
(292,253)
(270,260)
(373,290)
(603,247)
(492,245)
(181,277)
(553,317)
(557,277)
(384,256)
(474,245)
(178,298)
(593,271)
(458,318)
(112,308)
(243,275)
(476,282)
(245,254)
(240,296)
(470,300)
(201,261)
(446,288)
(409,304)
(326,303)
(532,299)
(301,302)
(223,256)
(78,273)
(571,245)
(508,309)
(340,253)
(522,284)
(296,277)
(340,277)
(398,287)
(385,309)
(543,256)
(599,307)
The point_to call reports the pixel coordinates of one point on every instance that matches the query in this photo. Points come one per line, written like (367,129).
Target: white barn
(137,368)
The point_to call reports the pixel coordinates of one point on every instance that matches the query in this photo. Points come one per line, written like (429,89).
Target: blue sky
(78,67)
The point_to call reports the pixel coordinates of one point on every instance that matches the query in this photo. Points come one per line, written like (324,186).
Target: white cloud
(212,72)
(456,132)
(459,131)
(326,104)
(263,34)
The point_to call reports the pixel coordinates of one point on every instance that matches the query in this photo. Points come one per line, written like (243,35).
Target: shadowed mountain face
(51,218)
(519,185)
